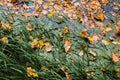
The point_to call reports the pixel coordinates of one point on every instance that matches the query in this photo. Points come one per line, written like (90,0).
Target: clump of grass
(17,54)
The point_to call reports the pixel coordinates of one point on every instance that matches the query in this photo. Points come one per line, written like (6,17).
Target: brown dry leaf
(81,53)
(67,45)
(105,42)
(108,29)
(115,58)
(48,46)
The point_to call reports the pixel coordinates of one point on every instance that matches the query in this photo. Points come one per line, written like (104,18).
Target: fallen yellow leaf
(4,39)
(31,72)
(100,16)
(83,34)
(105,42)
(51,14)
(116,42)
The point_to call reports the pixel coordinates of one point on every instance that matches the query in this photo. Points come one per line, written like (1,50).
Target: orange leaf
(100,16)
(115,58)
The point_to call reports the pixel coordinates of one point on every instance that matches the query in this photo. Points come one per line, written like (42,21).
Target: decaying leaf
(115,58)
